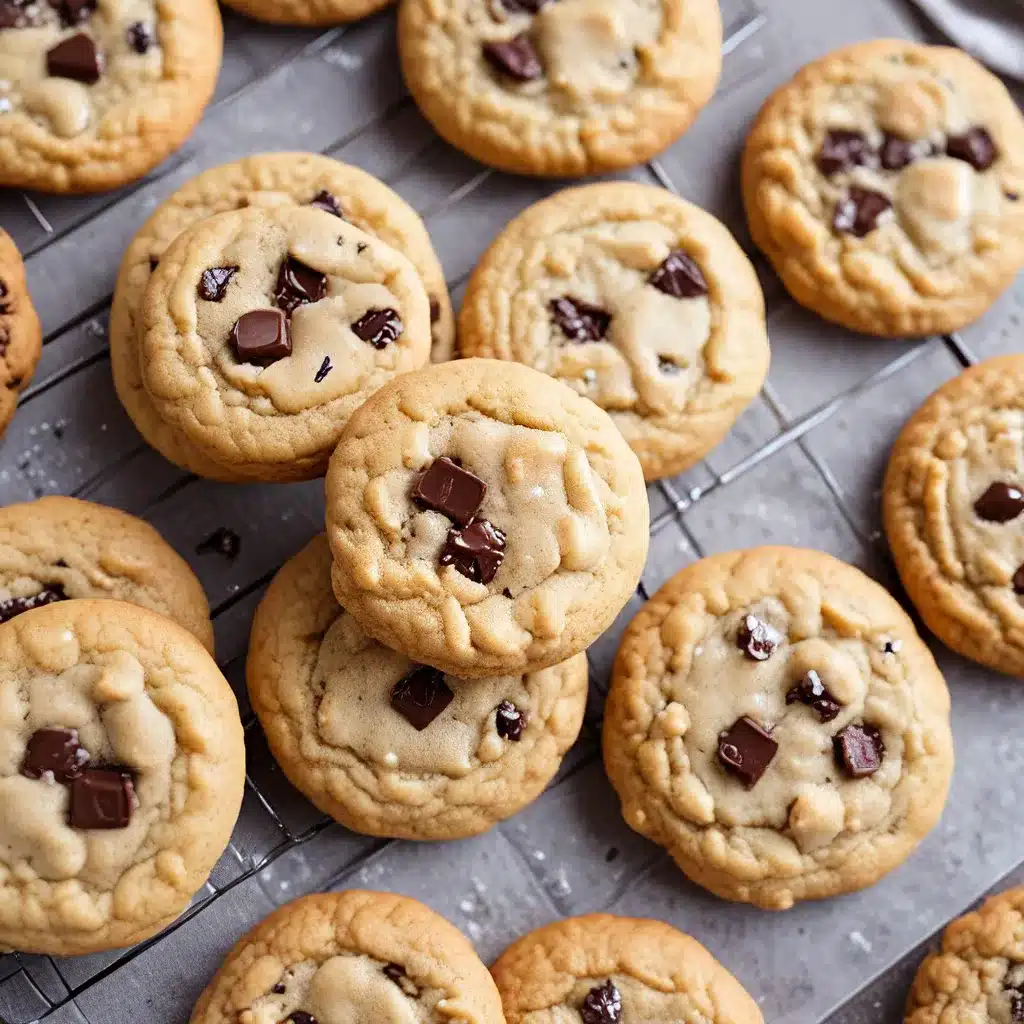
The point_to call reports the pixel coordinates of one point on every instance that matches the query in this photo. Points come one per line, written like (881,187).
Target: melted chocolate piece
(842,150)
(602,1005)
(74,12)
(746,750)
(757,639)
(298,285)
(509,721)
(1000,503)
(579,320)
(279,989)
(476,550)
(327,202)
(301,1017)
(325,368)
(898,153)
(975,147)
(1018,580)
(421,696)
(679,276)
(102,798)
(77,58)
(16,605)
(56,751)
(214,283)
(223,541)
(516,58)
(858,212)
(451,490)
(140,37)
(379,327)
(813,692)
(261,337)
(859,750)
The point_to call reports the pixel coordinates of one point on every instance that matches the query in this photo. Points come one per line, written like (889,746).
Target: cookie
(775,722)
(637,300)
(561,89)
(484,518)
(122,766)
(307,12)
(265,329)
(953,501)
(978,975)
(95,93)
(21,338)
(885,183)
(388,747)
(351,956)
(603,969)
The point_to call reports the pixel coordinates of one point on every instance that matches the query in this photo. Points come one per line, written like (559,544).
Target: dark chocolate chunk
(448,488)
(580,321)
(859,750)
(842,149)
(602,1005)
(279,989)
(153,263)
(746,750)
(975,147)
(102,798)
(261,337)
(394,972)
(523,6)
(858,212)
(13,14)
(891,647)
(16,605)
(813,692)
(1018,580)
(435,310)
(379,327)
(898,153)
(421,696)
(213,285)
(327,202)
(757,639)
(1000,503)
(56,751)
(325,368)
(77,58)
(298,285)
(222,541)
(301,1017)
(516,58)
(510,721)
(476,550)
(140,37)
(679,276)
(74,12)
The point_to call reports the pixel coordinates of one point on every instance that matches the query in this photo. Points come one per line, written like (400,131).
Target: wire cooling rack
(801,467)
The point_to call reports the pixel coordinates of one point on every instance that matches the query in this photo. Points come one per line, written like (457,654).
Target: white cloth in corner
(991,30)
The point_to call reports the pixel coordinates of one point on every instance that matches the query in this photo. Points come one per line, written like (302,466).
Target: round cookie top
(561,89)
(389,747)
(777,724)
(603,969)
(122,766)
(351,958)
(56,548)
(636,299)
(484,518)
(885,182)
(978,975)
(953,501)
(307,12)
(266,328)
(21,337)
(94,93)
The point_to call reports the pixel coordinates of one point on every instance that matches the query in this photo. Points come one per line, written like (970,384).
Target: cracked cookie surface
(637,300)
(885,183)
(307,12)
(953,505)
(352,956)
(560,89)
(484,518)
(121,773)
(777,724)
(21,338)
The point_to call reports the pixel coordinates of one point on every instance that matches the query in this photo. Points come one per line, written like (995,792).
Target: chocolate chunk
(221,542)
(842,150)
(859,750)
(579,320)
(975,147)
(325,368)
(898,153)
(74,12)
(858,212)
(279,989)
(213,285)
(746,750)
(516,58)
(435,310)
(102,798)
(394,972)
(757,639)
(523,6)
(668,366)
(140,37)
(153,263)
(477,550)
(602,1005)
(448,488)
(891,647)
(1000,503)
(261,337)
(16,605)
(13,14)
(76,58)
(679,277)
(301,1017)
(56,751)
(421,696)
(327,202)
(813,692)
(1018,581)
(509,721)
(298,285)
(379,327)
(1016,1007)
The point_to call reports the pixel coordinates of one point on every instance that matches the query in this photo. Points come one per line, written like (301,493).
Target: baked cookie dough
(21,338)
(561,89)
(953,501)
(637,300)
(351,957)
(266,328)
(777,724)
(311,13)
(388,747)
(95,93)
(484,518)
(122,766)
(978,974)
(603,969)
(885,183)
(55,549)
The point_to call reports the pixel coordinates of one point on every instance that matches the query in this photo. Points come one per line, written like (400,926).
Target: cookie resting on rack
(308,13)
(21,339)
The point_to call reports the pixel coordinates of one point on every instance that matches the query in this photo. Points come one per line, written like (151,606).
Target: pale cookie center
(615,997)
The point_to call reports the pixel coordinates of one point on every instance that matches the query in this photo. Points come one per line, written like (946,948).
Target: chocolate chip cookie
(351,956)
(56,549)
(95,93)
(777,724)
(21,338)
(561,89)
(389,747)
(122,766)
(603,969)
(636,299)
(953,505)
(266,328)
(307,12)
(885,183)
(484,518)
